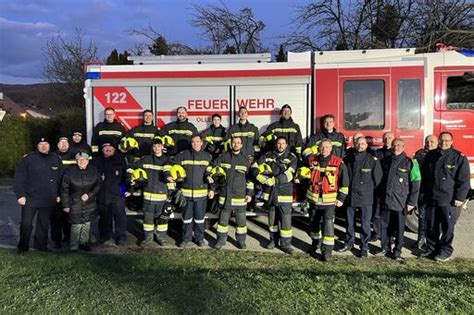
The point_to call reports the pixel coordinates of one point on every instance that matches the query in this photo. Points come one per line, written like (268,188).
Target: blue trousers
(194,212)
(440,221)
(392,224)
(366,216)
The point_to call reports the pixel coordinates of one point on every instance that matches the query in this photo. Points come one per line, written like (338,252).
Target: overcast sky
(25,26)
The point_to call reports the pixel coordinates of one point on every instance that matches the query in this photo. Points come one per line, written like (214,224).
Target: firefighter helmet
(167,141)
(315,150)
(178,172)
(127,144)
(303,173)
(139,176)
(218,175)
(265,169)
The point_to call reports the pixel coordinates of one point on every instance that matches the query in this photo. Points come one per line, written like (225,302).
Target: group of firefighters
(223,171)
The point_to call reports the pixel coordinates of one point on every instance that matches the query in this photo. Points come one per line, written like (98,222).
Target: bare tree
(224,28)
(63,64)
(158,44)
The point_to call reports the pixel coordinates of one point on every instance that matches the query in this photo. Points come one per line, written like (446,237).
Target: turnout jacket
(213,139)
(197,165)
(107,132)
(365,174)
(337,139)
(38,178)
(284,128)
(77,182)
(237,185)
(446,177)
(156,187)
(82,146)
(181,132)
(144,135)
(249,134)
(283,169)
(112,171)
(400,182)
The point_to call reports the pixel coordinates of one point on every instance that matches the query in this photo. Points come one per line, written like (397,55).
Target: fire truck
(369,91)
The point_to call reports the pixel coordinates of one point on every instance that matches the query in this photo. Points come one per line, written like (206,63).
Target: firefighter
(144,133)
(235,195)
(130,151)
(108,131)
(399,191)
(280,199)
(110,202)
(431,143)
(36,186)
(196,163)
(327,190)
(181,131)
(214,136)
(327,132)
(365,174)
(155,192)
(380,153)
(59,219)
(247,131)
(284,127)
(446,184)
(78,144)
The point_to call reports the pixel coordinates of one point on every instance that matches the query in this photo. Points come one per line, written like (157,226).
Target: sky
(25,26)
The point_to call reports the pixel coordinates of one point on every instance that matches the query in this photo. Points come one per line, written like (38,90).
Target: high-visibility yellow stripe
(298,150)
(154,197)
(195,162)
(291,130)
(222,228)
(344,190)
(221,200)
(213,138)
(148,227)
(286,233)
(69,162)
(194,192)
(328,240)
(144,135)
(289,174)
(316,235)
(273,228)
(241,168)
(180,132)
(248,134)
(110,133)
(226,165)
(241,230)
(238,202)
(95,148)
(153,167)
(331,168)
(250,185)
(285,199)
(171,185)
(162,227)
(266,196)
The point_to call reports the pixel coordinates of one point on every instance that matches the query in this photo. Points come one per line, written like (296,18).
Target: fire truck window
(364,104)
(460,93)
(409,104)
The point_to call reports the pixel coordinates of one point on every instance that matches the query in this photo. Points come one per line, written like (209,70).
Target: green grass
(194,281)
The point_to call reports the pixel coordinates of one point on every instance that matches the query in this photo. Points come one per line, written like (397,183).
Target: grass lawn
(207,281)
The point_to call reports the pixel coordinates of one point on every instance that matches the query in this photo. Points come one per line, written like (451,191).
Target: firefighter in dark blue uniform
(399,195)
(247,131)
(431,143)
(37,185)
(107,131)
(78,144)
(445,187)
(365,174)
(144,133)
(327,132)
(181,131)
(214,136)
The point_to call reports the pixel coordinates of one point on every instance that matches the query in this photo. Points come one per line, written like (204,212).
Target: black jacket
(400,183)
(106,132)
(284,128)
(77,182)
(112,171)
(249,134)
(365,174)
(382,152)
(446,177)
(213,139)
(156,188)
(38,178)
(82,146)
(182,132)
(144,135)
(197,166)
(237,185)
(337,139)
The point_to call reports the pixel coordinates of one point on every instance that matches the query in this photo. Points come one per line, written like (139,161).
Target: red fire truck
(368,91)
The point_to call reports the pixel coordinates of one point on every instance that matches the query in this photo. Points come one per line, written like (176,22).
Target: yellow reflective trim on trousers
(180,132)
(194,192)
(285,199)
(148,227)
(326,198)
(292,130)
(344,190)
(222,228)
(273,228)
(153,167)
(241,168)
(162,227)
(328,240)
(286,233)
(144,135)
(195,162)
(241,230)
(110,133)
(154,197)
(316,235)
(238,202)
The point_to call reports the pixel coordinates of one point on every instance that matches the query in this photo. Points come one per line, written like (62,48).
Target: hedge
(18,135)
